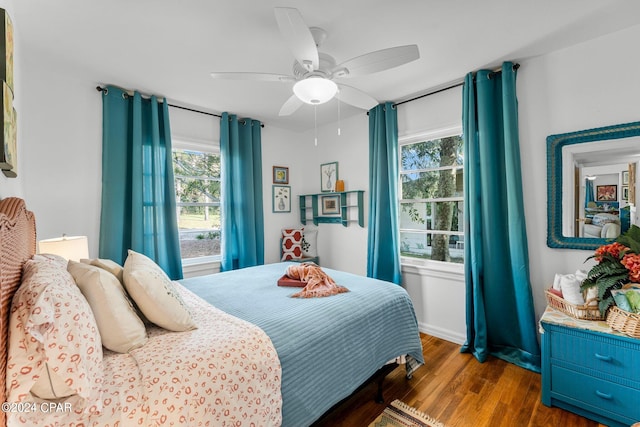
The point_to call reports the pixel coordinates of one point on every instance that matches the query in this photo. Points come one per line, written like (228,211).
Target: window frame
(413,138)
(202,146)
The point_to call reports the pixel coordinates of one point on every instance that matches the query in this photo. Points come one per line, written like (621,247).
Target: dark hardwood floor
(459,391)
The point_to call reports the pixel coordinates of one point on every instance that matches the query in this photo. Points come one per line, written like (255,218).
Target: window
(432,197)
(197,181)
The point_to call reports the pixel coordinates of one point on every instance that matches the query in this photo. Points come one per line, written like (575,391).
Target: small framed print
(280,175)
(330,205)
(625,193)
(281,198)
(328,176)
(625,177)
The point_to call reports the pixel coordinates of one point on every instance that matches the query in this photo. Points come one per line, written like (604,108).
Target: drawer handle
(604,395)
(603,358)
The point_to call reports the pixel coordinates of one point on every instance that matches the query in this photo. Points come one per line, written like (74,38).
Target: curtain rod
(102,89)
(459,83)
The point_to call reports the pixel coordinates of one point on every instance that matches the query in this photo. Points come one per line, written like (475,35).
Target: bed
(257,355)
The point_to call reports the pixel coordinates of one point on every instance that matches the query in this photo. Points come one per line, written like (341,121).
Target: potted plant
(618,264)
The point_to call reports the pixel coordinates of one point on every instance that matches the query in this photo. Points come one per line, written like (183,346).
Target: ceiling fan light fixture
(315,90)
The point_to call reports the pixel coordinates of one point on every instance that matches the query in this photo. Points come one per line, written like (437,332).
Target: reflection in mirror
(591,177)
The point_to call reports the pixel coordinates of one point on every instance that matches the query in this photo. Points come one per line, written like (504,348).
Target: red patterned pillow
(292,243)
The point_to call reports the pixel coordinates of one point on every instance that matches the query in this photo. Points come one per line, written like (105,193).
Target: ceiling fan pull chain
(338,117)
(315,123)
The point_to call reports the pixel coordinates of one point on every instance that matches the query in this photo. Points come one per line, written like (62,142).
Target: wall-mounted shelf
(348,208)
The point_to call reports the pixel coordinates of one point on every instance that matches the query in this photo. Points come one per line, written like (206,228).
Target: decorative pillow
(54,345)
(120,327)
(605,218)
(154,294)
(106,264)
(310,243)
(292,243)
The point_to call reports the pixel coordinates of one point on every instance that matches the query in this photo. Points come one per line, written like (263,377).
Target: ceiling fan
(314,72)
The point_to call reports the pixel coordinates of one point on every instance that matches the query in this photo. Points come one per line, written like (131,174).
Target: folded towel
(571,289)
(319,284)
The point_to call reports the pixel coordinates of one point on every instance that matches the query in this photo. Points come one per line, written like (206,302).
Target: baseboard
(445,334)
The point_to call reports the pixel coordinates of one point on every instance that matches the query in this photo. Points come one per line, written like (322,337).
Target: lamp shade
(315,90)
(73,248)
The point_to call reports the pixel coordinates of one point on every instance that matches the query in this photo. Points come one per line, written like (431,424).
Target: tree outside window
(197,182)
(432,199)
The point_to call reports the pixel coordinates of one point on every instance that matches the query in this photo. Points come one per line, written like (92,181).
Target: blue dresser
(589,369)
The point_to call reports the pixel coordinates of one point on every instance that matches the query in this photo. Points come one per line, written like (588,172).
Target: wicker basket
(623,321)
(584,312)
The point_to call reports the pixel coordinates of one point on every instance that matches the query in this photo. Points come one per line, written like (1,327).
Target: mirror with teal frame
(617,146)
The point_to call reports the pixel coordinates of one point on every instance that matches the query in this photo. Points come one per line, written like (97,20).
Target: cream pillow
(120,327)
(154,294)
(106,264)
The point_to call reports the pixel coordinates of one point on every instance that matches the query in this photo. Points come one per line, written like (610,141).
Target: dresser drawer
(594,352)
(598,394)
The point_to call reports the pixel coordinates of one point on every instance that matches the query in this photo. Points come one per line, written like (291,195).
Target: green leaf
(604,305)
(631,239)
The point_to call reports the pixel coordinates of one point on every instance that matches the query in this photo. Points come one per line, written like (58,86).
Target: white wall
(339,247)
(61,148)
(585,86)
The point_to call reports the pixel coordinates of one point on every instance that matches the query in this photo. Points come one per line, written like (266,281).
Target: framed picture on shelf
(328,176)
(281,198)
(625,177)
(280,175)
(330,205)
(606,193)
(625,193)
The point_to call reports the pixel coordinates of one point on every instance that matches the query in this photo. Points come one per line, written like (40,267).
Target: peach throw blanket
(318,283)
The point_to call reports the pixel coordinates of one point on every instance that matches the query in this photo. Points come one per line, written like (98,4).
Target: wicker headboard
(17,244)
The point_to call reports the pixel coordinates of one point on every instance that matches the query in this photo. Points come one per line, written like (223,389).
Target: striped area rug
(399,414)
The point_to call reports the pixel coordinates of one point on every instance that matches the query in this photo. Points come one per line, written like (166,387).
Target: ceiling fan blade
(290,106)
(263,77)
(378,61)
(355,97)
(298,37)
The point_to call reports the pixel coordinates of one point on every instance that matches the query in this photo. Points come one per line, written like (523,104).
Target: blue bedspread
(327,346)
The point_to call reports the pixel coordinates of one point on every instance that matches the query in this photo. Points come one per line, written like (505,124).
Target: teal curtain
(138,192)
(499,304)
(383,257)
(242,215)
(588,193)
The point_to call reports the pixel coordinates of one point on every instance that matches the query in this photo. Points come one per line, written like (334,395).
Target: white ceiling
(169,47)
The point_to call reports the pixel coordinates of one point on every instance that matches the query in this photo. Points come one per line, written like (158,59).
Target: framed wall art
(6,48)
(281,198)
(330,205)
(280,175)
(8,149)
(328,176)
(606,193)
(625,193)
